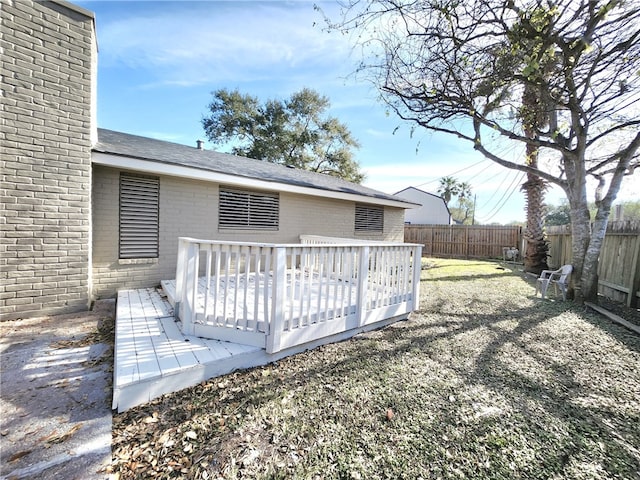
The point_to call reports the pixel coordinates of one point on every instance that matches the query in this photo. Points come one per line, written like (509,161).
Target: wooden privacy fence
(464,241)
(619,264)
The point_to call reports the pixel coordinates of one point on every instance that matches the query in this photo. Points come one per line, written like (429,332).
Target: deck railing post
(363,275)
(278,297)
(181,264)
(417,270)
(190,289)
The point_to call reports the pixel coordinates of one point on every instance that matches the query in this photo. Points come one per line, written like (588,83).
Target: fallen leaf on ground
(58,438)
(19,455)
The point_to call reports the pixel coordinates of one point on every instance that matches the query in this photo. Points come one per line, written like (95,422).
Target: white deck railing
(278,296)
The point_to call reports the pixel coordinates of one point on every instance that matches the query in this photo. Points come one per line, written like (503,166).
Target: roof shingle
(124,144)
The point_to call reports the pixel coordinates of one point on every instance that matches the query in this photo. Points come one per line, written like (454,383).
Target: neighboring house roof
(123,150)
(420,191)
(432,210)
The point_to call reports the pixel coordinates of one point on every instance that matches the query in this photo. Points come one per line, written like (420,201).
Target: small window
(245,209)
(369,218)
(139,216)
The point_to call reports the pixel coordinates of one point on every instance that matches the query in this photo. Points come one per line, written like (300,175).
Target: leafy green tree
(630,211)
(463,211)
(461,68)
(558,215)
(561,214)
(296,132)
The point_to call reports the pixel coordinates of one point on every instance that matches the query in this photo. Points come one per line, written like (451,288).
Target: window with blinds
(139,216)
(369,218)
(249,210)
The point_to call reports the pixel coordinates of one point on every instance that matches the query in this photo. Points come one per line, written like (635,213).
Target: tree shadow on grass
(467,278)
(563,399)
(479,408)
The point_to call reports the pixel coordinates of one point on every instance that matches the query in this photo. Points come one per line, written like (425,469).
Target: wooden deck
(154,357)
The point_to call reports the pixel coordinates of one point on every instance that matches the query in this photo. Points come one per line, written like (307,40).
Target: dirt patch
(629,314)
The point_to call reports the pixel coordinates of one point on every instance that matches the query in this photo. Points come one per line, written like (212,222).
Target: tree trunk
(587,243)
(589,278)
(537,247)
(580,236)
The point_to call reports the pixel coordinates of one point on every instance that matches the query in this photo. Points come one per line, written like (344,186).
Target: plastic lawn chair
(559,278)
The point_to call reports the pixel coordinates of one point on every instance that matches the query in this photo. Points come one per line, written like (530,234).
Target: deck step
(153,357)
(168,288)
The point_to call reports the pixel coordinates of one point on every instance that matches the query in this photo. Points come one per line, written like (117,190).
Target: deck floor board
(126,368)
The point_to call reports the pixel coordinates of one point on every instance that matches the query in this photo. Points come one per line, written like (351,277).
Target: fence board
(619,263)
(464,241)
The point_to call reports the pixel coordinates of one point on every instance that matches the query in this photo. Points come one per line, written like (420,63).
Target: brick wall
(47,65)
(189,208)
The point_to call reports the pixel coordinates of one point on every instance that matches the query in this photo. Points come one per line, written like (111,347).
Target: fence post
(278,294)
(466,241)
(634,284)
(432,241)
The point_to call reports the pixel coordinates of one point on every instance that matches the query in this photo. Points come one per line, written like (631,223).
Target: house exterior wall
(189,208)
(433,210)
(48,72)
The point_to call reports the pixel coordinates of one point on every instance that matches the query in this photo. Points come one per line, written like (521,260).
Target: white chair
(559,278)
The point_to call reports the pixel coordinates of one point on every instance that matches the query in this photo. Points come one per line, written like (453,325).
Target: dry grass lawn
(485,382)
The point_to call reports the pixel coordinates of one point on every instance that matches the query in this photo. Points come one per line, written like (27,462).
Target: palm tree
(464,190)
(537,246)
(449,187)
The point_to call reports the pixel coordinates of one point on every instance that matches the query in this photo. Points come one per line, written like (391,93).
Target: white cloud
(379,133)
(208,42)
(167,137)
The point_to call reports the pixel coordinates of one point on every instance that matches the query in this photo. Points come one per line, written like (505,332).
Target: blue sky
(159,61)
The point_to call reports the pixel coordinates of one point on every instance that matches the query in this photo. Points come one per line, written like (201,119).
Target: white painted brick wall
(45,136)
(190,208)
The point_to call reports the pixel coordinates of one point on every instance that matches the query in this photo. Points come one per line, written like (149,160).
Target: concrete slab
(55,395)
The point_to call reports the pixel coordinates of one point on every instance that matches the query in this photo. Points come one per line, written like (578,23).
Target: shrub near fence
(619,265)
(464,241)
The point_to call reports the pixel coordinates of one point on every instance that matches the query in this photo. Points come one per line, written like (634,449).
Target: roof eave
(182,171)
